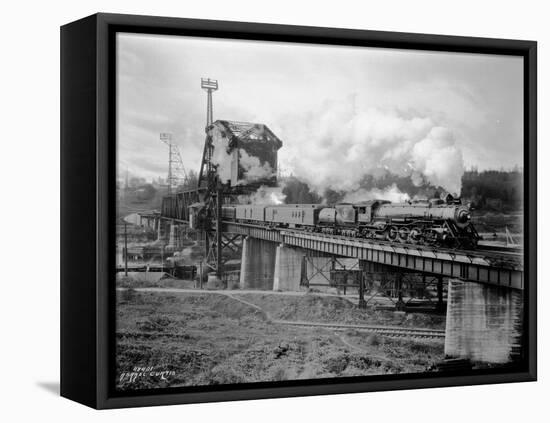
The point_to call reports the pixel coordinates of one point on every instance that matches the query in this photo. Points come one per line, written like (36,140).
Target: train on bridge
(437,222)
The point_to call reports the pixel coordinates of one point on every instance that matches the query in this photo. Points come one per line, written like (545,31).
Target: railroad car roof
(364,203)
(304,206)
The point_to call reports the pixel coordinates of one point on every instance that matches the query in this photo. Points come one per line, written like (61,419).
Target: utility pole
(125,249)
(219,257)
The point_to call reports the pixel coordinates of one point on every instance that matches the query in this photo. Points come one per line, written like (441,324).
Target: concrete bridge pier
(484,322)
(162,231)
(257,264)
(150,221)
(156,223)
(288,268)
(175,238)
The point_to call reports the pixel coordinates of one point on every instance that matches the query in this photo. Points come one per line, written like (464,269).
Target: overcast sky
(376,107)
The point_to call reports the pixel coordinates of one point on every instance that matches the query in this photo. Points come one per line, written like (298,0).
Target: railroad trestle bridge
(484,290)
(489,267)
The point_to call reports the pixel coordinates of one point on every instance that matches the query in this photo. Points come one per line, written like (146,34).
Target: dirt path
(229,292)
(257,307)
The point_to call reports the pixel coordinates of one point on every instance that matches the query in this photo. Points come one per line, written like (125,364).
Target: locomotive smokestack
(447,197)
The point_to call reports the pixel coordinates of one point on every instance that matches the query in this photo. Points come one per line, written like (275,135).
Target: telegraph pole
(125,249)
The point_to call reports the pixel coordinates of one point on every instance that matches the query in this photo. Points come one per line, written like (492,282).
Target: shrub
(281,373)
(372,339)
(337,363)
(222,375)
(128,295)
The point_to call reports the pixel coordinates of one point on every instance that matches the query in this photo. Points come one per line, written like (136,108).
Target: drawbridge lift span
(201,207)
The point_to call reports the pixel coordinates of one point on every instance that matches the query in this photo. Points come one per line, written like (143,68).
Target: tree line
(493,190)
(489,190)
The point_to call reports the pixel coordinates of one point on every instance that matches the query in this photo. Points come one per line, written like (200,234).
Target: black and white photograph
(295,212)
(275,212)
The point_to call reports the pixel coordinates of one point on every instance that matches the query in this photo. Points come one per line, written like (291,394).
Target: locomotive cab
(365,210)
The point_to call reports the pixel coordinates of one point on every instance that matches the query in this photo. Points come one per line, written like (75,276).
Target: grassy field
(210,339)
(330,309)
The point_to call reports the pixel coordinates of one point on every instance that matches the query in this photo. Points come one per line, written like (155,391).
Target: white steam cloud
(439,160)
(390,193)
(254,170)
(341,142)
(226,161)
(265,196)
(221,157)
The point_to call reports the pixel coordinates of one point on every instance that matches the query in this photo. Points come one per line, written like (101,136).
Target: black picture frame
(87,206)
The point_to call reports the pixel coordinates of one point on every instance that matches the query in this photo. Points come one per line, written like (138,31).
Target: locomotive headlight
(462,217)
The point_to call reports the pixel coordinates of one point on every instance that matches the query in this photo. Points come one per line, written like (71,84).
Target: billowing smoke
(253,169)
(222,158)
(265,196)
(390,193)
(439,160)
(342,142)
(225,159)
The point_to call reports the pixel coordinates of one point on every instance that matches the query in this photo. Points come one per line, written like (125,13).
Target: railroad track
(500,249)
(392,331)
(481,251)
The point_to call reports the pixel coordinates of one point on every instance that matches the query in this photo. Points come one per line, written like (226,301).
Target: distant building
(245,153)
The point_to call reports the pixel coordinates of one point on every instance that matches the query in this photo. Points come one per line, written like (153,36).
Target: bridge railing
(176,206)
(476,266)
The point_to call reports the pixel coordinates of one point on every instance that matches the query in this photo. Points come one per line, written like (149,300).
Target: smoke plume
(222,158)
(390,193)
(265,196)
(254,170)
(342,142)
(225,159)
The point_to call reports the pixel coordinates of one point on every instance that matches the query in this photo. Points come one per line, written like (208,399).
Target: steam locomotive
(443,222)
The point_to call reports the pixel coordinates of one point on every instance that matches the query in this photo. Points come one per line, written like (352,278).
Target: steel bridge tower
(209,85)
(175,164)
(214,195)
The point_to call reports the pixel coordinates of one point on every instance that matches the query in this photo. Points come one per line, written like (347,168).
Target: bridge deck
(489,267)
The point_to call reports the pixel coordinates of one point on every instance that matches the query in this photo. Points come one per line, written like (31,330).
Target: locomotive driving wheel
(392,233)
(416,235)
(404,234)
